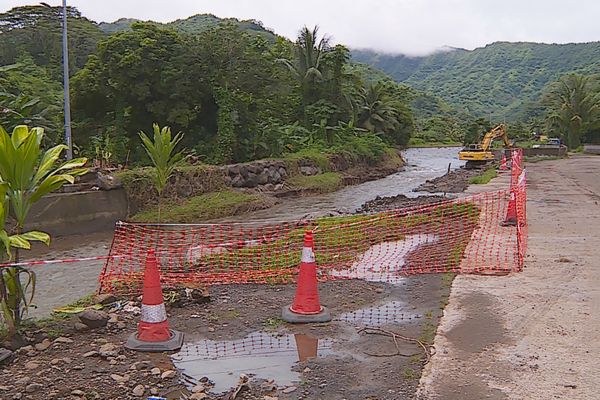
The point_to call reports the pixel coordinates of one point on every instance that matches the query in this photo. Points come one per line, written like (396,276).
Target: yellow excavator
(479,154)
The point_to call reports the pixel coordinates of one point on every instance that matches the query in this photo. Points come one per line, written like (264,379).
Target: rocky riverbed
(455,181)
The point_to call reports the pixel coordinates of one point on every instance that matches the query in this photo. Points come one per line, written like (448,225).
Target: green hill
(502,79)
(195,24)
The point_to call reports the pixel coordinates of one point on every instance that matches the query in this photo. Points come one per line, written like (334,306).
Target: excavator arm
(479,154)
(497,132)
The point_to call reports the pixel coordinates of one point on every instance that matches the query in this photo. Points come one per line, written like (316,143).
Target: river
(60,284)
(422,164)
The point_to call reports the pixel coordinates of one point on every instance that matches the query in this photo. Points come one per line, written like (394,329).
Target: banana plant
(13,293)
(160,150)
(27,173)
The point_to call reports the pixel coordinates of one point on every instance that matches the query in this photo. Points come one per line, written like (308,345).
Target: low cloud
(413,27)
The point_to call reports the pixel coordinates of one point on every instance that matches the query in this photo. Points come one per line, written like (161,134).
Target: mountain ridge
(502,78)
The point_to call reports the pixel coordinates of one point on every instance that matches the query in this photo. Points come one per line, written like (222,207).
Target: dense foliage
(236,90)
(240,92)
(236,96)
(573,109)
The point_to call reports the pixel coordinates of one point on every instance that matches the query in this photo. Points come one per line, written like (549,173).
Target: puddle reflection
(388,313)
(259,354)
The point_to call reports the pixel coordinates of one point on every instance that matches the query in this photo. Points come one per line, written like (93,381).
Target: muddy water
(64,283)
(422,164)
(261,355)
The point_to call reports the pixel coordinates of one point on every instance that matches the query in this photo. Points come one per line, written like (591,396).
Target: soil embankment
(380,204)
(534,334)
(455,181)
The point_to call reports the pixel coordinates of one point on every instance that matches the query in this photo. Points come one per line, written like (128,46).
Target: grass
(85,301)
(409,373)
(322,183)
(273,323)
(319,157)
(231,314)
(484,178)
(447,279)
(334,236)
(428,331)
(536,159)
(205,207)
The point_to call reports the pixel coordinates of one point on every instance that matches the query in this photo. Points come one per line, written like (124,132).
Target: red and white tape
(48,262)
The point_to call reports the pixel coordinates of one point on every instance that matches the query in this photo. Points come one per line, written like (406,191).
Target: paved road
(533,335)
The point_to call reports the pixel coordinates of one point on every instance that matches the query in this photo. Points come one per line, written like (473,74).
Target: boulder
(94,318)
(237,181)
(263,177)
(108,182)
(309,170)
(105,298)
(251,180)
(233,170)
(5,356)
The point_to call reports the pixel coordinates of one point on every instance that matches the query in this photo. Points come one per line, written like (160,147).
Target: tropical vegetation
(27,173)
(241,92)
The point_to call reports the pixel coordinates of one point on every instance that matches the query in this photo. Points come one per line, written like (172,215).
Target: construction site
(463,296)
(266,200)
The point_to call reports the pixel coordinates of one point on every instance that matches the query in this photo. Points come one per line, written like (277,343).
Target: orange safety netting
(465,235)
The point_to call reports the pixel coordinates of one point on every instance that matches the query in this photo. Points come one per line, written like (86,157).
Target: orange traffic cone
(511,214)
(306,306)
(503,164)
(153,329)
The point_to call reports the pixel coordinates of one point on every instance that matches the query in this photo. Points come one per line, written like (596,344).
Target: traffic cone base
(174,343)
(294,318)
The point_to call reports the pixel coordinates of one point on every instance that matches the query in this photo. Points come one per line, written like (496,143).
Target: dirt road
(535,334)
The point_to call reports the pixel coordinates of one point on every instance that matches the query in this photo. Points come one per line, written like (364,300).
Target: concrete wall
(78,213)
(591,149)
(534,152)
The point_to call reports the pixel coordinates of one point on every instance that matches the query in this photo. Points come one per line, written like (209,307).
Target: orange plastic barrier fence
(483,233)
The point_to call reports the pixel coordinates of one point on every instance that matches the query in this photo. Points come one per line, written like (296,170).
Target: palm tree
(306,67)
(377,111)
(573,106)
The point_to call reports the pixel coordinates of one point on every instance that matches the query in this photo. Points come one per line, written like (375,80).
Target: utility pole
(65,49)
(67,100)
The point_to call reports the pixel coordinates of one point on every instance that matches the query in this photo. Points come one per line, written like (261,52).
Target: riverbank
(203,193)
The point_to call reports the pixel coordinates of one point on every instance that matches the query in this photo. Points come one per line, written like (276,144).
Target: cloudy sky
(397,26)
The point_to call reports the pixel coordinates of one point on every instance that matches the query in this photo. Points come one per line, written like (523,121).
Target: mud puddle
(392,312)
(260,355)
(270,357)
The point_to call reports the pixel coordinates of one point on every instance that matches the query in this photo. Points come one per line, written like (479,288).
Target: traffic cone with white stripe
(306,306)
(511,213)
(503,164)
(153,333)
